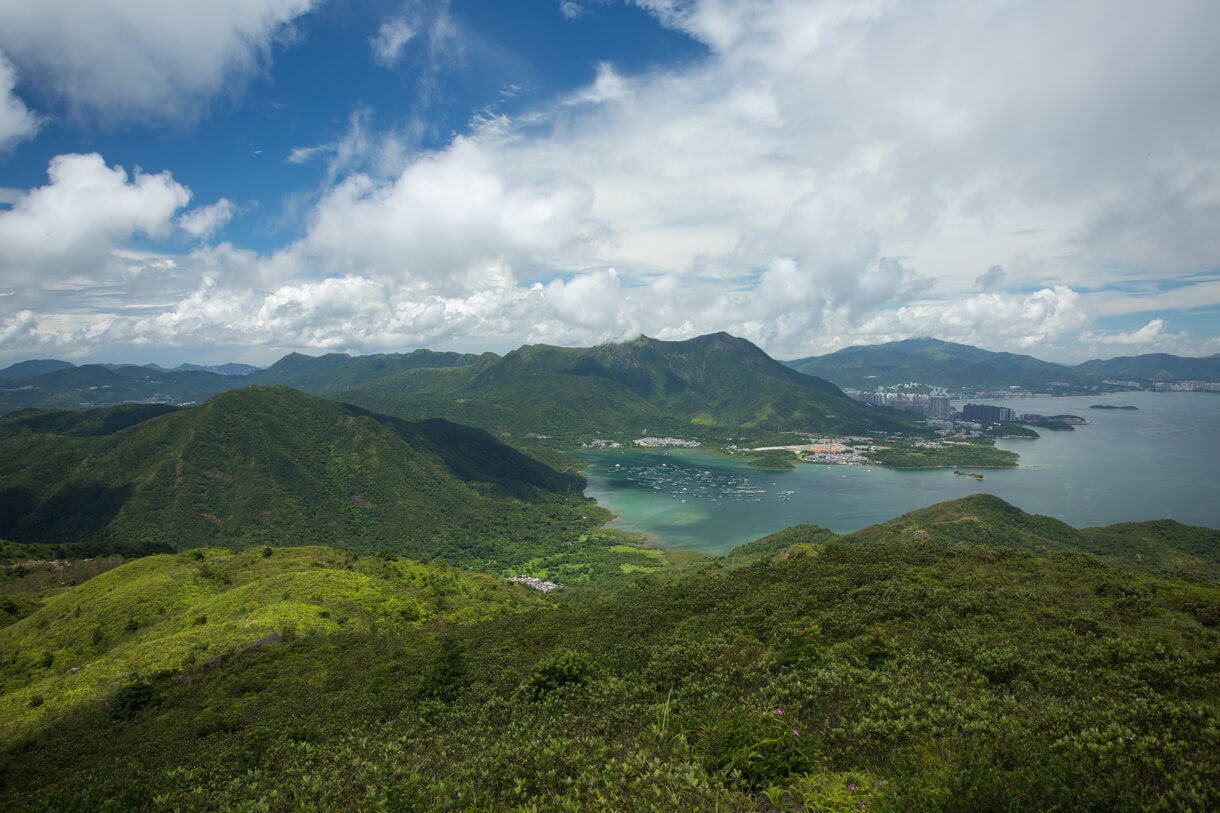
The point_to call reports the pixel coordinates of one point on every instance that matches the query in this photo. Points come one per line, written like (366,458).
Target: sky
(239,179)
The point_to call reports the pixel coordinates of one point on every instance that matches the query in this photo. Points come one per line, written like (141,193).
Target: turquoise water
(1162,460)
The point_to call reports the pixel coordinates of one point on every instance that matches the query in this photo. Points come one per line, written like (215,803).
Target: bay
(1161,460)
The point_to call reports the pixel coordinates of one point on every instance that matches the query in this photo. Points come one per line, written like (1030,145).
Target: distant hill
(276,466)
(983,519)
(960,366)
(713,386)
(98,385)
(336,371)
(231,368)
(931,361)
(26,369)
(1154,367)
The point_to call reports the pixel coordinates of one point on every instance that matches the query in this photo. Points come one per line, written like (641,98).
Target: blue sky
(244,178)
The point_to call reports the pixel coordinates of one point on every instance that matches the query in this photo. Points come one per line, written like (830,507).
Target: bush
(565,669)
(130,699)
(448,675)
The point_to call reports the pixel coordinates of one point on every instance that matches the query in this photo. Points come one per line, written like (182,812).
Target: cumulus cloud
(991,320)
(68,227)
(392,37)
(17,329)
(133,58)
(205,221)
(451,221)
(1152,334)
(17,123)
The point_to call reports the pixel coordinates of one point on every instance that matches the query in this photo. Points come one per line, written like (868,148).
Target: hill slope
(173,612)
(275,466)
(896,675)
(984,519)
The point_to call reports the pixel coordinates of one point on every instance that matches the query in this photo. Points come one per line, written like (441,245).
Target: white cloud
(1150,335)
(830,173)
(67,229)
(392,37)
(157,60)
(203,222)
(451,222)
(17,329)
(17,123)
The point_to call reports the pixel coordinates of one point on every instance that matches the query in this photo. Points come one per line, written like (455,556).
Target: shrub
(565,669)
(130,699)
(448,674)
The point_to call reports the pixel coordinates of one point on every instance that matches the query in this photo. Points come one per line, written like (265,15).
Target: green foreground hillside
(905,668)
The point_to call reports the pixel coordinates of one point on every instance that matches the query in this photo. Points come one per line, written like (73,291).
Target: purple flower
(794,731)
(779,712)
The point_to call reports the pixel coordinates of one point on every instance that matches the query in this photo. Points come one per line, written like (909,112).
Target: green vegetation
(773,460)
(983,519)
(919,454)
(1112,406)
(171,612)
(904,668)
(1008,429)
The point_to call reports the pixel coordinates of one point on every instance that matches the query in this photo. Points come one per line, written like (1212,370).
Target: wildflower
(852,786)
(780,712)
(861,805)
(794,731)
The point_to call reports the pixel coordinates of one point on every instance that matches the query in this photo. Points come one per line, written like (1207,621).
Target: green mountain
(931,361)
(714,386)
(909,670)
(275,466)
(984,519)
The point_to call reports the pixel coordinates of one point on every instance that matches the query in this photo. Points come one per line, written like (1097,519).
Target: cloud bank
(831,173)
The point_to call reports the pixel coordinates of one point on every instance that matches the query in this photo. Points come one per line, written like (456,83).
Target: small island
(1111,406)
(957,473)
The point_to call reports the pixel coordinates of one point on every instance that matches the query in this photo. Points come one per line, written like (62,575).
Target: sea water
(1161,460)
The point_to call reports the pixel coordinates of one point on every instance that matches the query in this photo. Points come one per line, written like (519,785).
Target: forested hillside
(899,672)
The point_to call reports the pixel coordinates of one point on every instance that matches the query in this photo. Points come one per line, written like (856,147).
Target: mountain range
(712,386)
(665,387)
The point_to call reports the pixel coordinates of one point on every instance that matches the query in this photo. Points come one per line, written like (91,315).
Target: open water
(1161,460)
